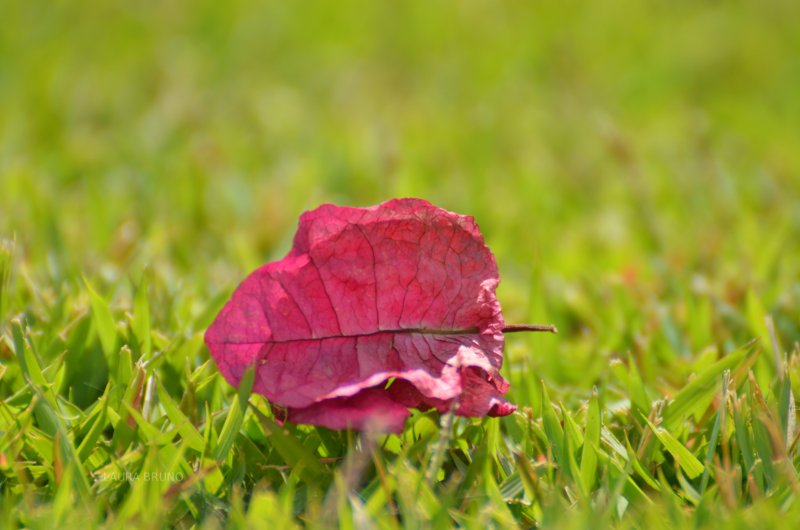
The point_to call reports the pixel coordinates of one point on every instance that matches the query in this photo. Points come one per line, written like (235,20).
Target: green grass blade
(591,440)
(6,259)
(554,432)
(141,316)
(184,426)
(718,422)
(700,390)
(103,320)
(235,418)
(687,461)
(292,451)
(88,444)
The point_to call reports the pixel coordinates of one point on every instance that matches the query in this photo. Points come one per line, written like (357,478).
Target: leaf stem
(513,328)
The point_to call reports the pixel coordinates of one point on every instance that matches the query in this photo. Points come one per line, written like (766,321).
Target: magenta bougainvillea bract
(373,311)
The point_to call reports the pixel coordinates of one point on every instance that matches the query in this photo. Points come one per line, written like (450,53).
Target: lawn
(634,166)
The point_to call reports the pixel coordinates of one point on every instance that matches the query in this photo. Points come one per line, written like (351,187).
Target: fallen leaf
(373,311)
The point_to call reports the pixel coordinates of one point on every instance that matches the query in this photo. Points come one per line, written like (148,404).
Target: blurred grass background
(635,166)
(627,150)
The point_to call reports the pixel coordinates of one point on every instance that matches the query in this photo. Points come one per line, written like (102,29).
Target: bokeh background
(635,166)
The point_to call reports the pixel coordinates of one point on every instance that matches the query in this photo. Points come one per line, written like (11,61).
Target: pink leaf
(374,310)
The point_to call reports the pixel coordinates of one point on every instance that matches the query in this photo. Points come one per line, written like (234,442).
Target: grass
(633,166)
